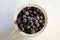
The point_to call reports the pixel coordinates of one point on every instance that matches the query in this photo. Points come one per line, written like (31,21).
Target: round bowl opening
(30,20)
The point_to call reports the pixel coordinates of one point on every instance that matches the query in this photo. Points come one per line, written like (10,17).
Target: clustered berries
(30,20)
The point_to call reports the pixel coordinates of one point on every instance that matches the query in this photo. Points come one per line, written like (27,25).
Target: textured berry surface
(32,20)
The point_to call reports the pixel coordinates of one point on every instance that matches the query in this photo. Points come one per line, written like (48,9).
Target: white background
(9,7)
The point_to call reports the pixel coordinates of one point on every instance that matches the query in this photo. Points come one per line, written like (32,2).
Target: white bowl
(25,34)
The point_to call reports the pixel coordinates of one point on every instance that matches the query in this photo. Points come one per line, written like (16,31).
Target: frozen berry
(39,28)
(26,13)
(37,17)
(30,11)
(18,21)
(37,10)
(28,26)
(35,21)
(30,23)
(29,18)
(22,28)
(23,11)
(24,16)
(40,21)
(31,14)
(32,31)
(37,25)
(41,17)
(24,20)
(36,29)
(25,26)
(27,8)
(21,25)
(33,26)
(34,12)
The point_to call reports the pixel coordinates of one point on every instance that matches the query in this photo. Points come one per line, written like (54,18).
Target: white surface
(9,7)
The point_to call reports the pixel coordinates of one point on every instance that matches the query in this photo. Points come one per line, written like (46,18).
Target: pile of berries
(30,20)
